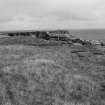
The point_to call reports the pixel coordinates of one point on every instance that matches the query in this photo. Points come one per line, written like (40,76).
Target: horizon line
(32,30)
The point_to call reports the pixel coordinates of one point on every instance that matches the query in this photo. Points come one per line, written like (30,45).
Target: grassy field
(49,73)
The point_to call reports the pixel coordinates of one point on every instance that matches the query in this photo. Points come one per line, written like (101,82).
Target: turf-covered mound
(44,81)
(32,75)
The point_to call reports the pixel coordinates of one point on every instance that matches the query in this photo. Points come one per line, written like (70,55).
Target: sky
(51,14)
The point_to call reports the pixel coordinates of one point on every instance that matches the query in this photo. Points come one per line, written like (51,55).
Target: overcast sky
(51,14)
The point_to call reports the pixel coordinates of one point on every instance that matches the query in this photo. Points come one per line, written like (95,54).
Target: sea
(89,34)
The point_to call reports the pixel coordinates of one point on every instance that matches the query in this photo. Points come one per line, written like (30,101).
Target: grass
(50,75)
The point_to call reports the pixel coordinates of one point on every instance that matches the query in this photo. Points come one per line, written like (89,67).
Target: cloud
(22,21)
(75,10)
(34,14)
(18,22)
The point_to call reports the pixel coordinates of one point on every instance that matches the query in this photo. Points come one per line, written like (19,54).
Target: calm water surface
(93,34)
